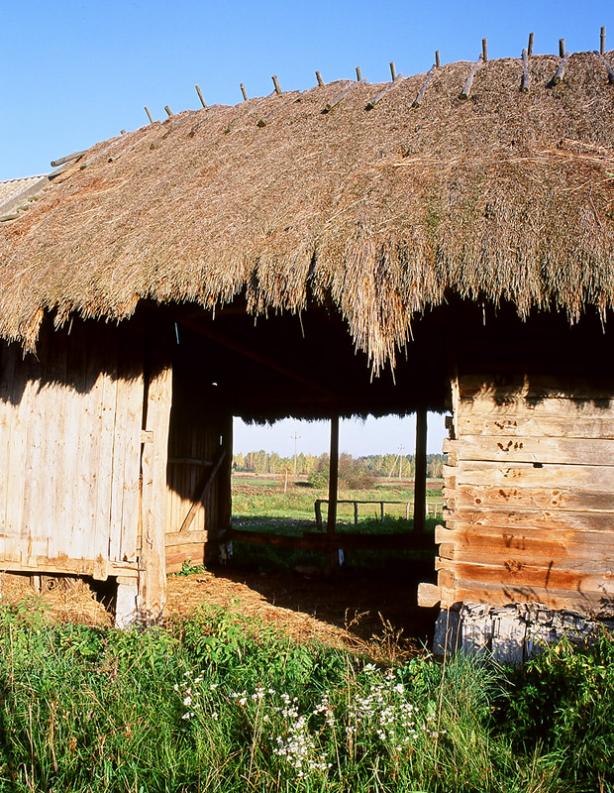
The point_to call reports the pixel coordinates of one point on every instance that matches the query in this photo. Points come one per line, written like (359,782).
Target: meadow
(268,504)
(222,703)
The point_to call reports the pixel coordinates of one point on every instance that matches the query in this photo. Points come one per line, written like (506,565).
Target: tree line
(389,465)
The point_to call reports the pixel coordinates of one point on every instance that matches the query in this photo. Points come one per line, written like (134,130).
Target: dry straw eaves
(506,196)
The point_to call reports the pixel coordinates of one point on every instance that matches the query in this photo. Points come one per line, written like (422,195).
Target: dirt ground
(358,611)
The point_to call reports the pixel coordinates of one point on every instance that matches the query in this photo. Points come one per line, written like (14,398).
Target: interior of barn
(305,366)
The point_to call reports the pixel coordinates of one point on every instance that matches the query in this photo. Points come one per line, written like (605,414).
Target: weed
(223,703)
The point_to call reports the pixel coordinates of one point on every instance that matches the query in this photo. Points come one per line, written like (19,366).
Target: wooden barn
(443,242)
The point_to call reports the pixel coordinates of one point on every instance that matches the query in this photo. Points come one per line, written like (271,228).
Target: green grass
(252,499)
(219,703)
(263,509)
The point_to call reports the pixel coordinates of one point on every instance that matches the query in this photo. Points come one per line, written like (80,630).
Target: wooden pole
(358,74)
(168,110)
(243,91)
(484,50)
(149,116)
(437,59)
(524,83)
(420,472)
(319,79)
(276,85)
(530,47)
(561,48)
(602,40)
(393,71)
(333,482)
(200,96)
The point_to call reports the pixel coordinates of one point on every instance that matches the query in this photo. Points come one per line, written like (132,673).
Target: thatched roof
(503,196)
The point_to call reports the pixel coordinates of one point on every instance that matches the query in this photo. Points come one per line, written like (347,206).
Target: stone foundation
(511,633)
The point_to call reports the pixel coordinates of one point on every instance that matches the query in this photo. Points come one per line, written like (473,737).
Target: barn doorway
(278,542)
(276,539)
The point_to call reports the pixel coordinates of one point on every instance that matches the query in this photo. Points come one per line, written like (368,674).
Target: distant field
(260,504)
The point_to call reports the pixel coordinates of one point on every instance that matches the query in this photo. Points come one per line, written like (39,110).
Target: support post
(420,472)
(126,602)
(333,481)
(152,575)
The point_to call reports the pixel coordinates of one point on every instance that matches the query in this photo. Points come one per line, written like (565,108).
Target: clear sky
(79,71)
(387,435)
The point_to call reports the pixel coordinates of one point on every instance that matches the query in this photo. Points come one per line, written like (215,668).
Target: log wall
(529,495)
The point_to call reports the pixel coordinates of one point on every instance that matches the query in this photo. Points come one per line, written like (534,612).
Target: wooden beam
(409,541)
(200,96)
(559,75)
(333,477)
(466,92)
(608,68)
(338,99)
(381,94)
(68,158)
(425,84)
(152,578)
(525,81)
(247,352)
(420,472)
(201,492)
(99,571)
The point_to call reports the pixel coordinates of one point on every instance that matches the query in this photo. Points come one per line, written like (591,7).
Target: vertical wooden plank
(70,535)
(7,372)
(152,576)
(91,435)
(34,521)
(68,483)
(133,394)
(420,472)
(104,487)
(16,471)
(56,388)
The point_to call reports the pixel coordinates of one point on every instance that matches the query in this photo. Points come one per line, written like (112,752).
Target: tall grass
(219,703)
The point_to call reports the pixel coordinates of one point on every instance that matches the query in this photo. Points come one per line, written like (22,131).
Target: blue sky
(79,71)
(387,435)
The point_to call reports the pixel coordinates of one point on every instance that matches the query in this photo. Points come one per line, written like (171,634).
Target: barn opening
(275,367)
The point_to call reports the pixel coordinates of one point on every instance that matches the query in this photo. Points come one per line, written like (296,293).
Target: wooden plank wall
(197,438)
(529,494)
(70,424)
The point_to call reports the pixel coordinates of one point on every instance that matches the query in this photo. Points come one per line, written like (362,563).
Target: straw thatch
(504,196)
